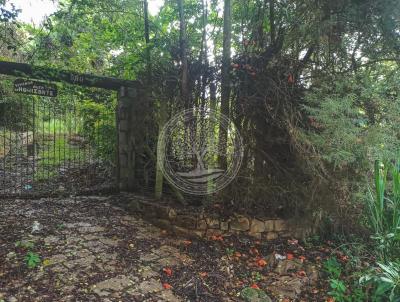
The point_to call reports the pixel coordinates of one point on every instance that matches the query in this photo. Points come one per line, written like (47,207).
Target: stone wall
(207,225)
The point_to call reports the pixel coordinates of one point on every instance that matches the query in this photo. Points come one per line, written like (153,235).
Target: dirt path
(91,250)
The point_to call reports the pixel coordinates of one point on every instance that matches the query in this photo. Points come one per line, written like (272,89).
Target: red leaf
(301,273)
(261,263)
(217,238)
(167,271)
(255,286)
(289,256)
(302,258)
(167,286)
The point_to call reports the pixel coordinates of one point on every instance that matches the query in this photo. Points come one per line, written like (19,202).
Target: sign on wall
(35,88)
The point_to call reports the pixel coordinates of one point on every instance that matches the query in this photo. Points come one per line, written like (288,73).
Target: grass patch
(57,153)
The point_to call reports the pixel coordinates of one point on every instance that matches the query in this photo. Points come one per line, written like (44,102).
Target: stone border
(205,225)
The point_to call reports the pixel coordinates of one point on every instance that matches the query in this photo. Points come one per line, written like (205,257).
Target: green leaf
(32,259)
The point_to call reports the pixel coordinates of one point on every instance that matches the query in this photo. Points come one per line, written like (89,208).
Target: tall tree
(225,79)
(8,24)
(147,39)
(185,95)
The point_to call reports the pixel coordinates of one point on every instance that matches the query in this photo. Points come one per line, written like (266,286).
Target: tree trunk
(159,176)
(183,50)
(225,81)
(163,110)
(272,20)
(147,39)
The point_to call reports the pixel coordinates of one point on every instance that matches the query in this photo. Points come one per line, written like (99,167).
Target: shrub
(383,209)
(383,219)
(383,283)
(391,276)
(98,126)
(352,120)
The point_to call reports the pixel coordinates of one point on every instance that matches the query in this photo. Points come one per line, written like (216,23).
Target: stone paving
(88,249)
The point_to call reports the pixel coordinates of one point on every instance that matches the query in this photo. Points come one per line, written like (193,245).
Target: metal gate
(53,146)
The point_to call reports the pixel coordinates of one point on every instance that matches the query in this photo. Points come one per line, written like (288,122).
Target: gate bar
(57,75)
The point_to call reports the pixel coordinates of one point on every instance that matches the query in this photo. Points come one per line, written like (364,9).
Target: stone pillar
(127,97)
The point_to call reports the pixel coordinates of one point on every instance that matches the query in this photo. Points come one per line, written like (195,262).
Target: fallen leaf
(187,242)
(254,251)
(238,254)
(302,258)
(203,274)
(261,263)
(289,256)
(45,262)
(217,238)
(301,273)
(254,286)
(167,286)
(167,271)
(330,299)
